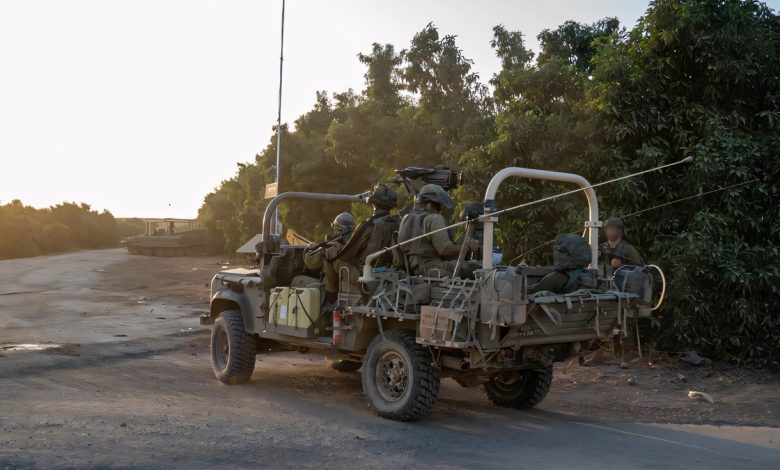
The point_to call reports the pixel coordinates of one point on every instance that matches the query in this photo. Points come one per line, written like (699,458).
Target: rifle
(328,241)
(610,252)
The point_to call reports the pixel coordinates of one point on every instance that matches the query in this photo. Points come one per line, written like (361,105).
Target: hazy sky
(143,107)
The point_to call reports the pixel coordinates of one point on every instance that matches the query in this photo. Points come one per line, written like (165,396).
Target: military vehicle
(407,332)
(168,237)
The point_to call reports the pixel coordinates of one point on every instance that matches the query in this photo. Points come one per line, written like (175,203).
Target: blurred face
(612,233)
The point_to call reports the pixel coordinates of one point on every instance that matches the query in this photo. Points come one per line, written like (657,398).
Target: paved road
(124,381)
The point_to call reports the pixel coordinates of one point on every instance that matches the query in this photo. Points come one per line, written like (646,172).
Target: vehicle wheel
(399,378)
(519,389)
(233,350)
(345,366)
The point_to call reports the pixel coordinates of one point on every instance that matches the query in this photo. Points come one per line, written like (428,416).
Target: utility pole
(277,227)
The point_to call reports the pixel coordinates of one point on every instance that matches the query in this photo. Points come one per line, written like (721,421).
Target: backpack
(570,251)
(411,226)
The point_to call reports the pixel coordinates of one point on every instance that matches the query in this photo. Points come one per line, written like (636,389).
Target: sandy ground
(104,365)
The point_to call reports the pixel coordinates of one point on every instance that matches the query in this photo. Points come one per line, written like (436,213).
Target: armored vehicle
(406,332)
(168,237)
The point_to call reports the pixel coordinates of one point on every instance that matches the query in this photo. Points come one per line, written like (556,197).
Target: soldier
(371,235)
(616,252)
(433,254)
(321,256)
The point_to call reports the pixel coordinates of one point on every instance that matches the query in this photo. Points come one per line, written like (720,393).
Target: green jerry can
(294,311)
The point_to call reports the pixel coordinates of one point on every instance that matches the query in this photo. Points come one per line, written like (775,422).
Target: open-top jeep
(407,332)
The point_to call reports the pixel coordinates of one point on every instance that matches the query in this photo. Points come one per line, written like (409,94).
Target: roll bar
(269,210)
(592,223)
(488,219)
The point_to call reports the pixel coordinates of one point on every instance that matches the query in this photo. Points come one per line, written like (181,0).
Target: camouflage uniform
(375,233)
(624,251)
(369,237)
(323,257)
(552,282)
(426,254)
(332,267)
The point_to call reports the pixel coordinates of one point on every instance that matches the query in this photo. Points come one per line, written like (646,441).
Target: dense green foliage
(692,78)
(26,231)
(703,79)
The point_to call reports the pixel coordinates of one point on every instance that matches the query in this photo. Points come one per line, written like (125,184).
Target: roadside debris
(682,378)
(694,395)
(24,347)
(693,358)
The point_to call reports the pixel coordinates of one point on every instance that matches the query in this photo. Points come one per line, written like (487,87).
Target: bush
(26,231)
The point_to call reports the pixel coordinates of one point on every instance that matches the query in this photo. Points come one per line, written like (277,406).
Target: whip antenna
(279,124)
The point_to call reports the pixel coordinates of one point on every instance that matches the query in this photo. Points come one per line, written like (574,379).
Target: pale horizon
(133,106)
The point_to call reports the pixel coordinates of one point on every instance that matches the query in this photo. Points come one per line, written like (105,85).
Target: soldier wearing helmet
(319,256)
(343,224)
(616,251)
(433,253)
(373,234)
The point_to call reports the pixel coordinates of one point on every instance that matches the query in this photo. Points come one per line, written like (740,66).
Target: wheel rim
(392,376)
(221,349)
(510,380)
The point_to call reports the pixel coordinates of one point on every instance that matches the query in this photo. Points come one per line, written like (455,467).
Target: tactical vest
(381,237)
(413,226)
(369,237)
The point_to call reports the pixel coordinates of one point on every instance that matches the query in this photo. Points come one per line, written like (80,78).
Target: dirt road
(104,365)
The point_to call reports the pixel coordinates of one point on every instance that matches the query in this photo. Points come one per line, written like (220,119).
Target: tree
(453,105)
(544,121)
(576,43)
(700,78)
(422,107)
(27,231)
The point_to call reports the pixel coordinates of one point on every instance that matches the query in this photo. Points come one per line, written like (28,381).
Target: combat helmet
(615,222)
(435,193)
(382,196)
(343,223)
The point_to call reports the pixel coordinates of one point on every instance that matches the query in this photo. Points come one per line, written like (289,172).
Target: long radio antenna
(277,228)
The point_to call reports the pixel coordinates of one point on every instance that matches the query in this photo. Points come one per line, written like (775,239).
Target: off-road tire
(233,350)
(399,378)
(345,366)
(524,392)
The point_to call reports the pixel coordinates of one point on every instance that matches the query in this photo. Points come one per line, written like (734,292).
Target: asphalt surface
(93,374)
